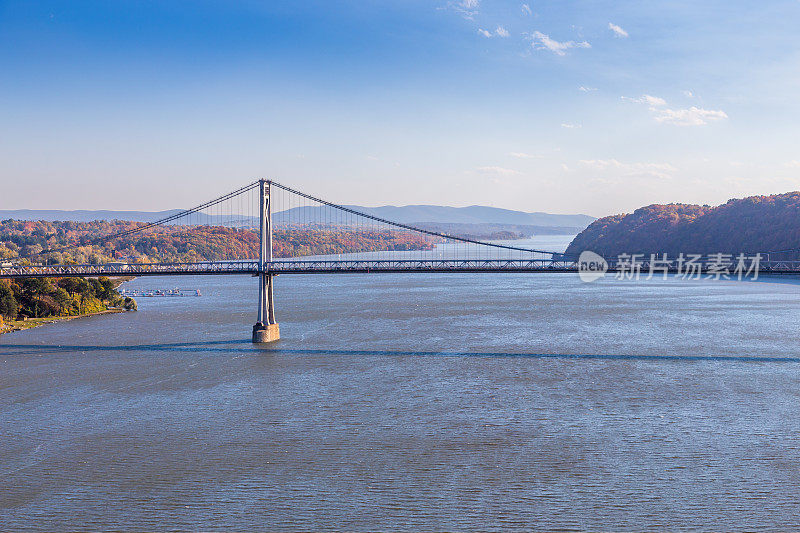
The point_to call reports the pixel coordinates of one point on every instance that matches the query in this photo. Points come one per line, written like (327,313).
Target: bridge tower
(266,328)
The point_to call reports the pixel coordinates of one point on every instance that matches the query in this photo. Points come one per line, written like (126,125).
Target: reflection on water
(225,347)
(414,401)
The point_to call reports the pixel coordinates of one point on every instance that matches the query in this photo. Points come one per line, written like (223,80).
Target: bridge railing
(416,265)
(129,269)
(332,266)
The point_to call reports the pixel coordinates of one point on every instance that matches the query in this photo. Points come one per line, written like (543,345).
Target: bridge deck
(291,266)
(285,267)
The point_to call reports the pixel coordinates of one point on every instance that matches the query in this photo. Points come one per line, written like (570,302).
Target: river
(408,402)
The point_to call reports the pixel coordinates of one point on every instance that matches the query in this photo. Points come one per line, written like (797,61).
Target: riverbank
(30,302)
(19,325)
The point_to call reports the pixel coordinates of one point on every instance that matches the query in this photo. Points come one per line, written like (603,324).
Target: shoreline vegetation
(31,302)
(21,325)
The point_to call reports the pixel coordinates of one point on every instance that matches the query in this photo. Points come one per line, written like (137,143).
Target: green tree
(85,290)
(129,304)
(63,299)
(70,285)
(32,291)
(8,304)
(106,290)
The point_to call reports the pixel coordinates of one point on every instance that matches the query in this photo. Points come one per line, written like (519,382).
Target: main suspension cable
(406,226)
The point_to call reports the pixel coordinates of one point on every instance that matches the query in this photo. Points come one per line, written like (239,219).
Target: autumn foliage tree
(46,297)
(187,244)
(748,225)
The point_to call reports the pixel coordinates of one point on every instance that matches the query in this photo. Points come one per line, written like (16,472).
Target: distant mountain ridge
(409,214)
(474,214)
(489,231)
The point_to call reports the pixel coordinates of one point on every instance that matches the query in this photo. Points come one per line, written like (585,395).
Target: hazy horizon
(4,212)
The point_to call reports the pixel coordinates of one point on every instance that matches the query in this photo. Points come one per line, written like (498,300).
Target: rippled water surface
(406,402)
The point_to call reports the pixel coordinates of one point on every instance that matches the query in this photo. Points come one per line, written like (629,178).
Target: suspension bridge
(265,229)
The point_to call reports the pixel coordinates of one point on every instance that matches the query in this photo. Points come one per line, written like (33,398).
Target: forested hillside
(754,224)
(43,297)
(186,243)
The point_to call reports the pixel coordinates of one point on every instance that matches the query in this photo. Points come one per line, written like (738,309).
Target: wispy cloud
(587,89)
(693,116)
(570,126)
(688,94)
(467,8)
(527,9)
(653,101)
(618,32)
(498,171)
(523,155)
(499,32)
(542,41)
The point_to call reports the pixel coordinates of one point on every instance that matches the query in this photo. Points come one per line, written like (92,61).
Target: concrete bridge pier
(266,329)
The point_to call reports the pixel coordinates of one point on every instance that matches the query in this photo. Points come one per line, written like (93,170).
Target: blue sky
(589,106)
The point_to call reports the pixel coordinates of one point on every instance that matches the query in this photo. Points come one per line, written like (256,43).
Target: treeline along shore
(29,302)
